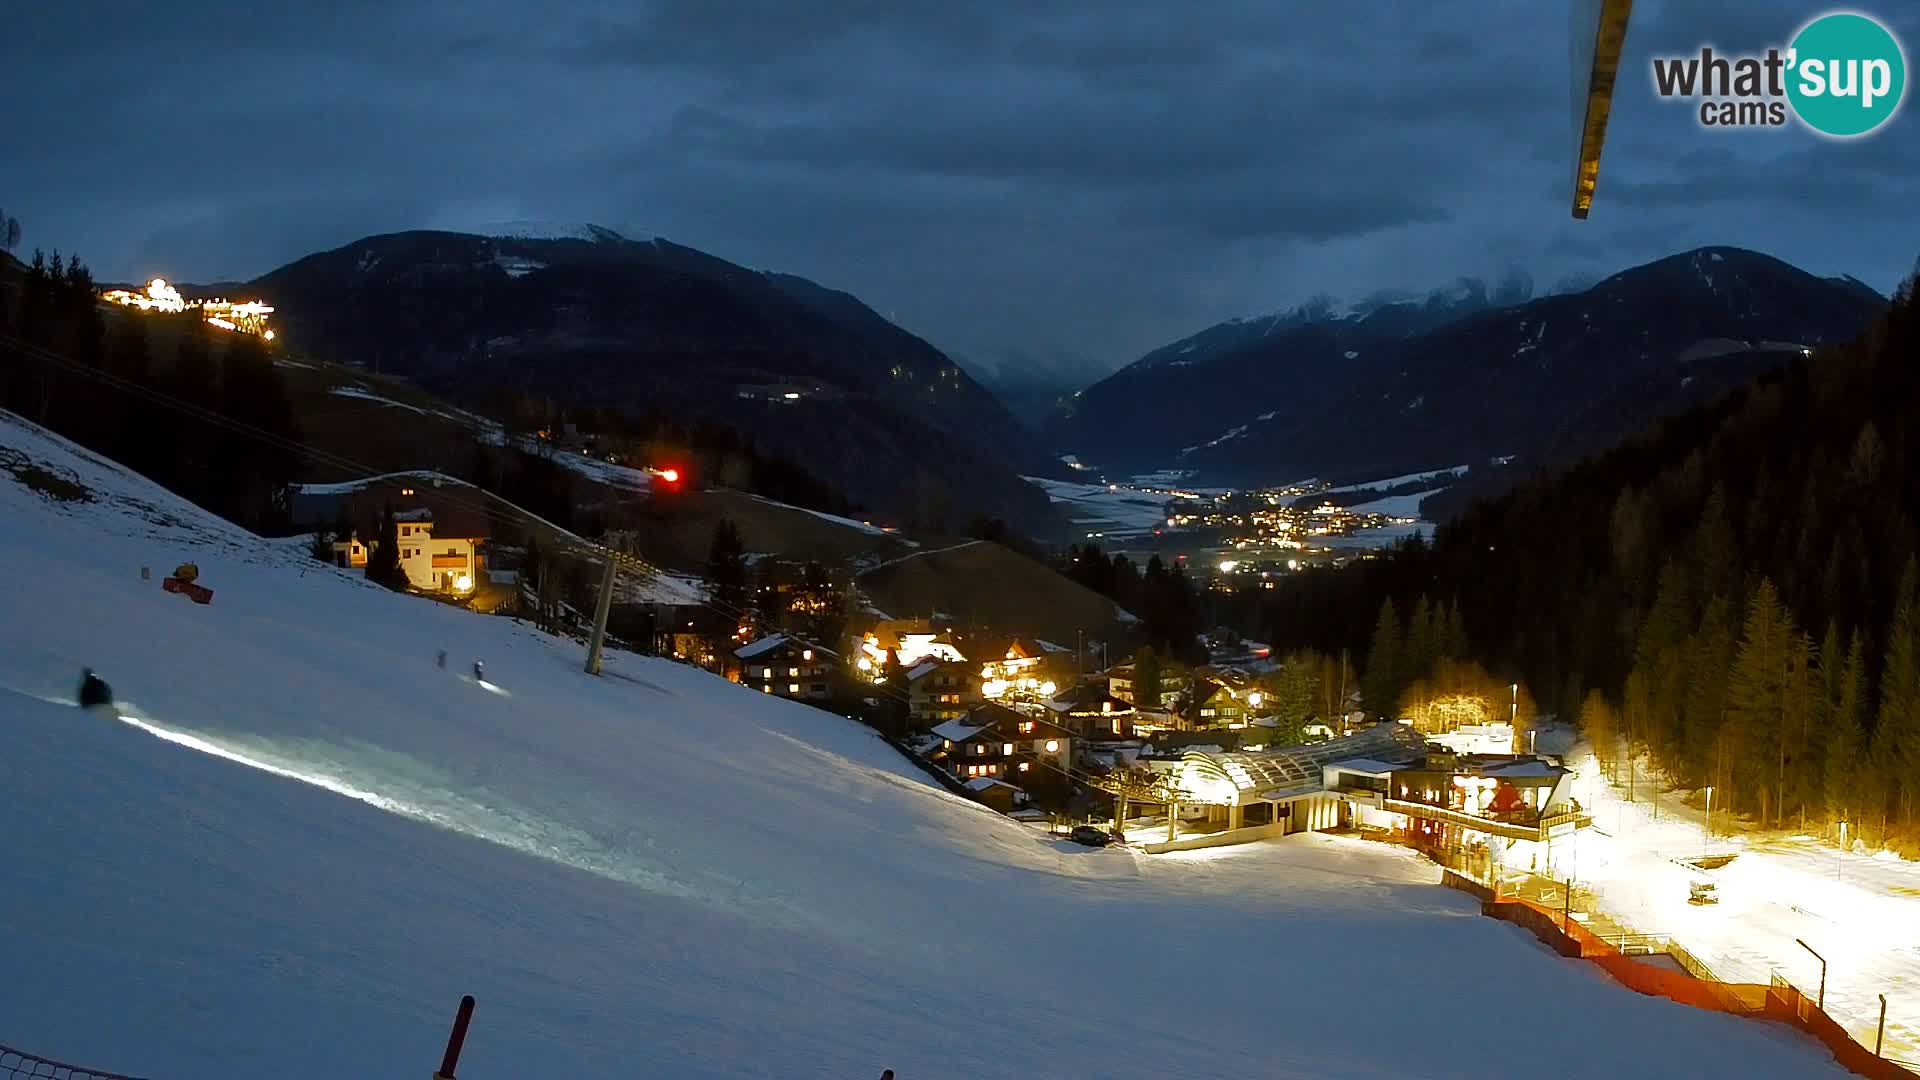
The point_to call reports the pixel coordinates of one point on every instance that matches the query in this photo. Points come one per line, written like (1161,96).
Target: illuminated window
(793,688)
(765,689)
(1006,749)
(792,672)
(807,655)
(979,748)
(1116,725)
(1053,746)
(947,744)
(406,491)
(1026,727)
(766,673)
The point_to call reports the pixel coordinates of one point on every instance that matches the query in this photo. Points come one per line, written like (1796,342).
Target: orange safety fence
(1780,1001)
(1787,1004)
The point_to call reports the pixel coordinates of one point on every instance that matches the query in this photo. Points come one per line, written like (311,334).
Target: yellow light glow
(1253,699)
(864,664)
(806,654)
(993,688)
(1053,746)
(268,335)
(463,582)
(1048,688)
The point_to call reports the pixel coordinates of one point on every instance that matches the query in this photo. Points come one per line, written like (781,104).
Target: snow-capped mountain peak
(549,230)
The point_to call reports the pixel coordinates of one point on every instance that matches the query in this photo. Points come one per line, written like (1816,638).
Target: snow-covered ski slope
(652,874)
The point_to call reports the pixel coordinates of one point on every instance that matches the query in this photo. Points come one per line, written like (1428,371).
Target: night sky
(1076,181)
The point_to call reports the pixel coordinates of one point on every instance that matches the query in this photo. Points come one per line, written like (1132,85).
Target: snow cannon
(185,581)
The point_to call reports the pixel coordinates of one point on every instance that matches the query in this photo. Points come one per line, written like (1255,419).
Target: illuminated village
(248,317)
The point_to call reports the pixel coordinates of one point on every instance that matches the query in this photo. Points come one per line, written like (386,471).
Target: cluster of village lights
(247,318)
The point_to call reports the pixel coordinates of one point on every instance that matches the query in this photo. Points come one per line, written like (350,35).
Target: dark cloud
(1036,178)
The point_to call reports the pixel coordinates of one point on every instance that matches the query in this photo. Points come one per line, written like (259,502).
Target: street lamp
(1823,972)
(1706,840)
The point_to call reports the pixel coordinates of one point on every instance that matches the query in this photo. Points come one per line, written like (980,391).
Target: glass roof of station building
(1238,778)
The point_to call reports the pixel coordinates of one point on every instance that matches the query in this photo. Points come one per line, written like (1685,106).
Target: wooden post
(456,1039)
(600,612)
(1880,1039)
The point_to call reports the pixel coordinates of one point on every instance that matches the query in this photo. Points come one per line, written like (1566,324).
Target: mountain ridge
(1319,390)
(654,325)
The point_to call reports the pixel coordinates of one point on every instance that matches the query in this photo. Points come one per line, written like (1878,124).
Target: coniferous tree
(727,570)
(134,434)
(256,470)
(1846,741)
(383,562)
(1295,686)
(1756,696)
(1897,734)
(1381,687)
(194,382)
(1146,678)
(1601,727)
(1421,647)
(1705,743)
(769,603)
(1453,637)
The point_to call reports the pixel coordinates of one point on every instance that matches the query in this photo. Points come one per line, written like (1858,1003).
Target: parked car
(1090,836)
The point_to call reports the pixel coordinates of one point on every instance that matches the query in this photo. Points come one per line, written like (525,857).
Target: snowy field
(653,873)
(1860,911)
(1119,513)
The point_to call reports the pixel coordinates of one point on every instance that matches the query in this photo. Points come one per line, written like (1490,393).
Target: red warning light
(671,476)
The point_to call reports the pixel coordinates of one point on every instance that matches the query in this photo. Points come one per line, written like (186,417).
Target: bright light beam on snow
(338,787)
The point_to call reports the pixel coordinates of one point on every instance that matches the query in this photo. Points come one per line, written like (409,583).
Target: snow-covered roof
(765,644)
(982,783)
(419,513)
(960,730)
(922,670)
(1089,698)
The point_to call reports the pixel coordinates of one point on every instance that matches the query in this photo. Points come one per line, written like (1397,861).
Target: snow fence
(1780,1000)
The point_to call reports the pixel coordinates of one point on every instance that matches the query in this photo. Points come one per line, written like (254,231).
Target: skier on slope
(479,672)
(94,690)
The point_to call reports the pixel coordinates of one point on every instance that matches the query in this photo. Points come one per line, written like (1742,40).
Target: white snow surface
(859,526)
(361,394)
(1432,477)
(1118,512)
(651,873)
(1854,908)
(1396,505)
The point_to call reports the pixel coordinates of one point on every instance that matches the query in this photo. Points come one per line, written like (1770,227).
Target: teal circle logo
(1846,75)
